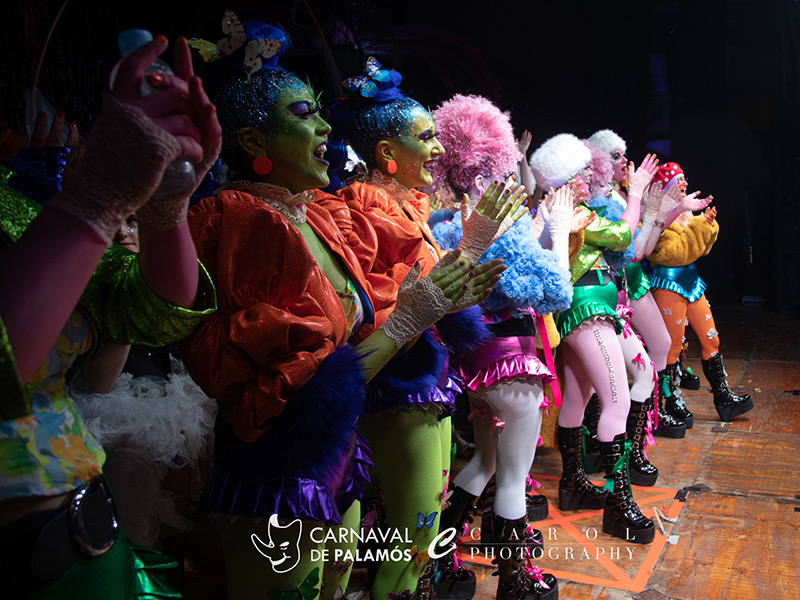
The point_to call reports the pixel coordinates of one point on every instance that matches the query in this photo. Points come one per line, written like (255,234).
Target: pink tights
(593,359)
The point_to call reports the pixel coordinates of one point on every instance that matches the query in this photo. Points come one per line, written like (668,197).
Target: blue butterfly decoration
(374,80)
(427,521)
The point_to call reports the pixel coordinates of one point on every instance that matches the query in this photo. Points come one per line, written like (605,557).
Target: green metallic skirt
(594,295)
(638,281)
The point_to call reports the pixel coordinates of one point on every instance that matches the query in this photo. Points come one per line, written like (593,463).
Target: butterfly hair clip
(374,80)
(254,51)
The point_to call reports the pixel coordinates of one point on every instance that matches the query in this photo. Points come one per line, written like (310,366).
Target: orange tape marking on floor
(595,548)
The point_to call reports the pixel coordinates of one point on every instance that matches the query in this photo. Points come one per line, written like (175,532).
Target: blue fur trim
(414,371)
(464,329)
(617,259)
(448,233)
(318,419)
(437,216)
(534,277)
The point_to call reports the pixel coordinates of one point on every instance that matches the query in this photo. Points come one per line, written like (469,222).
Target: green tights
(251,576)
(411,452)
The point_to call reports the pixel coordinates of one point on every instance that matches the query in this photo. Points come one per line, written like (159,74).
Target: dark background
(713,85)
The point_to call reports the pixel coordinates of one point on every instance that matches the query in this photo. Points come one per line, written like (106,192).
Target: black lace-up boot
(668,426)
(728,405)
(642,471)
(674,403)
(621,516)
(689,381)
(517,579)
(536,505)
(575,491)
(452,580)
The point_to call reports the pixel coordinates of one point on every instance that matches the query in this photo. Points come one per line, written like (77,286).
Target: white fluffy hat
(608,141)
(559,159)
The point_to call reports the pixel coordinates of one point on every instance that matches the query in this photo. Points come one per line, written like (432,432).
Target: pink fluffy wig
(478,139)
(602,168)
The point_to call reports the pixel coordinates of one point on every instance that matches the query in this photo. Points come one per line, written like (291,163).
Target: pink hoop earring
(262,165)
(391,167)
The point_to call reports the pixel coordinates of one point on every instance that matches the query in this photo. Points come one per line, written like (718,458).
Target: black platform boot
(452,580)
(575,491)
(591,417)
(516,579)
(621,516)
(487,517)
(642,471)
(689,381)
(675,405)
(668,426)
(728,404)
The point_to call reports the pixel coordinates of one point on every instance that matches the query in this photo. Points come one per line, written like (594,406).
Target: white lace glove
(692,203)
(121,168)
(497,209)
(639,179)
(420,303)
(557,213)
(657,206)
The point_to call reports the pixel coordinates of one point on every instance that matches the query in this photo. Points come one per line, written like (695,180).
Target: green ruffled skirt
(590,301)
(638,281)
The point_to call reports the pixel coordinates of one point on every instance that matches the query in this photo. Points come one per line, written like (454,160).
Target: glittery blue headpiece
(254,81)
(376,109)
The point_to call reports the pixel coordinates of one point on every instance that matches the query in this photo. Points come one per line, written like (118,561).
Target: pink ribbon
(548,358)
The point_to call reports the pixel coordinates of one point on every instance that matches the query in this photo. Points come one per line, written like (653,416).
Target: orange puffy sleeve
(278,316)
(386,242)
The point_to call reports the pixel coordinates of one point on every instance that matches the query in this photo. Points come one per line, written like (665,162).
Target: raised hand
(165,212)
(498,208)
(692,203)
(710,215)
(524,142)
(639,179)
(557,212)
(580,220)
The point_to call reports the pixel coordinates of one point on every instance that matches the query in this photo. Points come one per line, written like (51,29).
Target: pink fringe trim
(505,368)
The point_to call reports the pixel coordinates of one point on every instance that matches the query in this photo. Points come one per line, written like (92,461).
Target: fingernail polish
(461,263)
(160,38)
(60,113)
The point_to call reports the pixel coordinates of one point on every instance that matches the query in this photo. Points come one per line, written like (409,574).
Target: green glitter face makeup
(296,142)
(416,151)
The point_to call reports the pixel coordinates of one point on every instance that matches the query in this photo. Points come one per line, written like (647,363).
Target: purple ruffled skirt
(442,395)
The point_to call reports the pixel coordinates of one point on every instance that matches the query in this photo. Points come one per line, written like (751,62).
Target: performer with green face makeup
(290,349)
(410,402)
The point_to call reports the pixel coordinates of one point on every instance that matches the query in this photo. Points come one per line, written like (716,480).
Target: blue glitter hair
(365,121)
(244,101)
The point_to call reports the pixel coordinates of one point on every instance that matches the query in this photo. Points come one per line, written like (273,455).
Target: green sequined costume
(45,446)
(594,294)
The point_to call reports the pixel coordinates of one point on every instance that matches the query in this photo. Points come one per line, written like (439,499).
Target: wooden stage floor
(738,532)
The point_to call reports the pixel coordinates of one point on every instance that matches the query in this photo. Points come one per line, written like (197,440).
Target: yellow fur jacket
(681,245)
